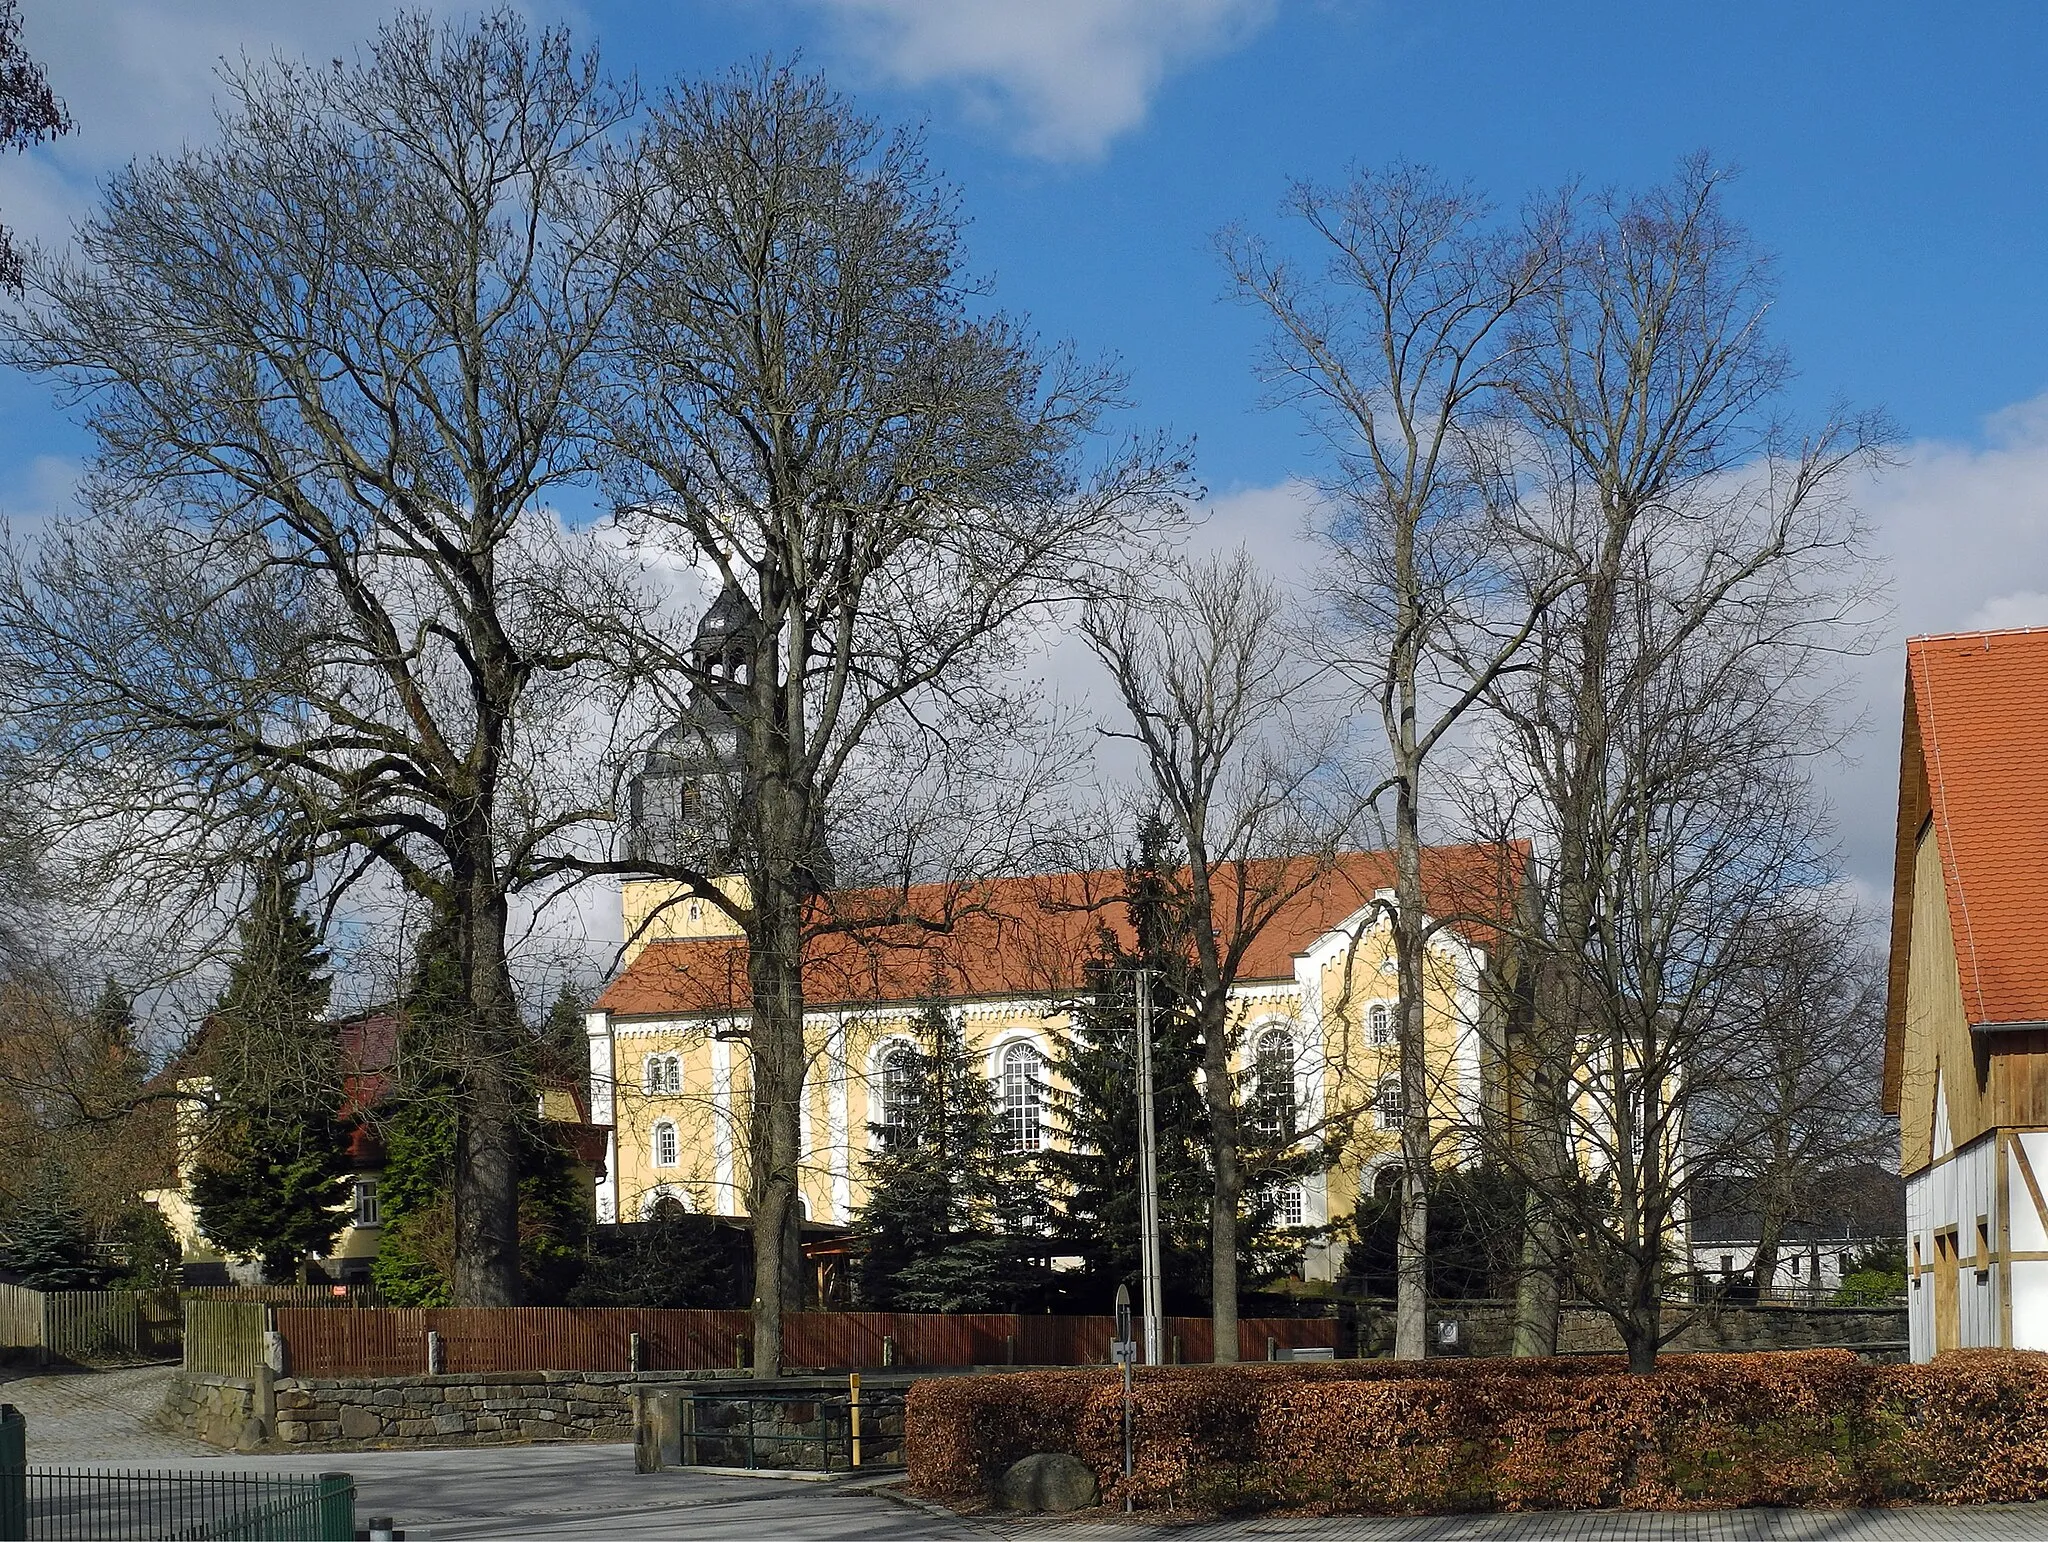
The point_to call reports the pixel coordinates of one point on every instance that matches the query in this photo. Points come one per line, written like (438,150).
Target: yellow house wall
(656,911)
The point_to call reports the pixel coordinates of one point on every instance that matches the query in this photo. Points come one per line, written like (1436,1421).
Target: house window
(1276,1108)
(366,1202)
(1290,1205)
(1727,1263)
(665,1154)
(1023,1093)
(899,1094)
(1388,1105)
(1379,1022)
(1795,1266)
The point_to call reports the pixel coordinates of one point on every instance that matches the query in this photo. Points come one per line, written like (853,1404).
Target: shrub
(1705,1431)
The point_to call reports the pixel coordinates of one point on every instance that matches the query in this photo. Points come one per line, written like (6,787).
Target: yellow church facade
(1313,1014)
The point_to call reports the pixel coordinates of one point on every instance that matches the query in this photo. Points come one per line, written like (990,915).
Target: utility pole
(1148,1179)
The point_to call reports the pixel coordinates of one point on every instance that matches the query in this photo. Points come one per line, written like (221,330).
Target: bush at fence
(1706,1431)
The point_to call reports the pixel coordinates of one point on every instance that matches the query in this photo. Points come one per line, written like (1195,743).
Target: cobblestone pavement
(591,1491)
(96,1416)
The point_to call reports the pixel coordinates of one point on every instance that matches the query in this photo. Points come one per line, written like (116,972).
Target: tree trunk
(775,964)
(491,1103)
(1641,1328)
(1228,1193)
(1411,1272)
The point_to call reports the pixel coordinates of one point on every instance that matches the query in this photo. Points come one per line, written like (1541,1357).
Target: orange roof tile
(1031,936)
(1974,759)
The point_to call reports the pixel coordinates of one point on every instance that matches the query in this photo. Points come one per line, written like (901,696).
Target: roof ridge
(1981,631)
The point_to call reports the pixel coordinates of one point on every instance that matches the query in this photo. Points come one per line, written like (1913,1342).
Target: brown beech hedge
(1706,1431)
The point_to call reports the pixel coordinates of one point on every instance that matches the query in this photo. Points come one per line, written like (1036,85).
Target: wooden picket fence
(393,1341)
(88,1327)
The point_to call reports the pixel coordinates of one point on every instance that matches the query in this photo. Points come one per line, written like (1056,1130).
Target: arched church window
(1388,1104)
(666,1148)
(1276,1106)
(1379,1022)
(1023,1096)
(898,1094)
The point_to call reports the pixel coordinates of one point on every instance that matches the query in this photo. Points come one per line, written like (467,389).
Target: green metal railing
(63,1503)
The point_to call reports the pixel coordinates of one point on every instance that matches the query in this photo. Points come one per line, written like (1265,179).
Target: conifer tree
(272,1177)
(44,1242)
(956,1221)
(1095,1104)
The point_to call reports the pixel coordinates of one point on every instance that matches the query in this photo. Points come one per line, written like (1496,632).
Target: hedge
(1814,1428)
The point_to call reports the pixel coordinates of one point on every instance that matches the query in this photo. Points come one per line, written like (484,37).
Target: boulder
(1047,1480)
(360,1423)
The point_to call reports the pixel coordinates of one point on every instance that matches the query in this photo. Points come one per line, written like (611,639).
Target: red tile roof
(1031,936)
(1974,759)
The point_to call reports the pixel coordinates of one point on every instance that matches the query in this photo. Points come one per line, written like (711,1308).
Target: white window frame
(1000,1060)
(665,1127)
(1381,1118)
(365,1212)
(1380,1022)
(1296,1091)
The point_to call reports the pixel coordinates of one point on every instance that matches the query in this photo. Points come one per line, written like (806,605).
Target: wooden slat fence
(225,1338)
(393,1341)
(98,1326)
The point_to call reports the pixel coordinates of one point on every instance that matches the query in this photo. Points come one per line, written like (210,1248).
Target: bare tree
(1398,350)
(887,487)
(29,114)
(1800,1095)
(1212,682)
(336,364)
(1648,395)
(1704,833)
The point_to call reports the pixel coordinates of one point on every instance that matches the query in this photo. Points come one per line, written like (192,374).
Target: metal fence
(63,1503)
(794,1429)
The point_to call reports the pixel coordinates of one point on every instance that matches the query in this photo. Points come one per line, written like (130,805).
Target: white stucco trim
(726,1196)
(841,1158)
(597,1029)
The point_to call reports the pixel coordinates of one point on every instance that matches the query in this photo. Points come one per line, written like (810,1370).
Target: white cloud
(1963,531)
(1065,77)
(139,78)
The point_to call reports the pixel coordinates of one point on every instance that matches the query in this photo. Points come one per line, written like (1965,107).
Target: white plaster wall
(1956,1193)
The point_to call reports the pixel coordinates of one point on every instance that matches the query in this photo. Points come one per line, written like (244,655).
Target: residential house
(1966,1042)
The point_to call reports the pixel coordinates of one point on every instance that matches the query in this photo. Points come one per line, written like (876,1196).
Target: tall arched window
(1276,1109)
(1379,1022)
(1023,1090)
(1388,1105)
(665,1146)
(898,1094)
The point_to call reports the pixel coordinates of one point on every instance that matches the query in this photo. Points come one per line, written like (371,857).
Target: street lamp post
(1148,1179)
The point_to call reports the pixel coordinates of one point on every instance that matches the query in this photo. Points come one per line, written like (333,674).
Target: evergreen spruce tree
(1095,1104)
(271,1180)
(416,1192)
(955,1220)
(44,1243)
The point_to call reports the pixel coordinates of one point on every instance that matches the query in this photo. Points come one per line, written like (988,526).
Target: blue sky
(1892,154)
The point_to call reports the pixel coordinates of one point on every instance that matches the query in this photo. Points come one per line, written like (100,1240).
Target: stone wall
(220,1410)
(437,1410)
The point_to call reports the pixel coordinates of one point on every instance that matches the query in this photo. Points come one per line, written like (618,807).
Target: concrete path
(591,1491)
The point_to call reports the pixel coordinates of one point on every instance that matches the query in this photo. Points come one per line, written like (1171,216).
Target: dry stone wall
(510,1406)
